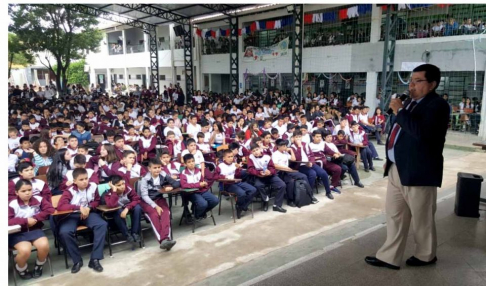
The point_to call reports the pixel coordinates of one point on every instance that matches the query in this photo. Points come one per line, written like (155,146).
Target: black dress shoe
(279,209)
(95,264)
(76,267)
(367,170)
(24,275)
(329,196)
(37,270)
(291,204)
(414,261)
(372,169)
(343,176)
(314,200)
(377,159)
(371,260)
(238,212)
(359,184)
(265,206)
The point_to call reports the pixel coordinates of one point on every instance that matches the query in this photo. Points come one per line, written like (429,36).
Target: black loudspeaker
(468,193)
(179,31)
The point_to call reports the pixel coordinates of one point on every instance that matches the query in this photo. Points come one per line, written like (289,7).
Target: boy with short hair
(73,145)
(128,168)
(192,177)
(82,198)
(80,133)
(175,146)
(263,169)
(245,192)
(359,138)
(79,161)
(153,203)
(25,151)
(171,168)
(13,139)
(39,187)
(123,196)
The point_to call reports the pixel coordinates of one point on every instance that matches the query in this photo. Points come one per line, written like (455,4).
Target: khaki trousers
(404,205)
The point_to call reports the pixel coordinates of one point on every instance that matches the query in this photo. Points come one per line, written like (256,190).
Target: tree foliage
(64,34)
(18,54)
(76,74)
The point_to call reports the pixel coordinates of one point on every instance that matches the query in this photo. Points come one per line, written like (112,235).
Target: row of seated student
(75,170)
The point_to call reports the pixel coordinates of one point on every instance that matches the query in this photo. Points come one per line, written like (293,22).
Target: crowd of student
(262,139)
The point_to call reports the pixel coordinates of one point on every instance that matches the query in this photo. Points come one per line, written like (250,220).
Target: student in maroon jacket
(39,187)
(146,145)
(304,154)
(262,168)
(121,195)
(82,198)
(78,162)
(341,142)
(128,168)
(28,211)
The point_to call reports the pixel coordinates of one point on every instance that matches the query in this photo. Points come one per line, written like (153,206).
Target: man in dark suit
(414,166)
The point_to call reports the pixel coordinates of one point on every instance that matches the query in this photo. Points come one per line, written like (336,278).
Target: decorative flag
(286,21)
(198,32)
(239,32)
(364,8)
(278,24)
(262,25)
(228,32)
(343,14)
(307,18)
(270,24)
(353,12)
(329,16)
(213,34)
(208,34)
(223,33)
(403,6)
(317,18)
(253,26)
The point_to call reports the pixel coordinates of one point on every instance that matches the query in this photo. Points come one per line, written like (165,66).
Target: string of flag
(309,18)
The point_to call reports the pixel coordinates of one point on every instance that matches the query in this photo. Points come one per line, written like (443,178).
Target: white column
(125,76)
(148,74)
(172,51)
(92,76)
(146,42)
(482,124)
(371,82)
(241,77)
(124,43)
(108,81)
(375,23)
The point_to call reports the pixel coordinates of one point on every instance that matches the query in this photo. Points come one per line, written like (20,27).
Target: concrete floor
(231,254)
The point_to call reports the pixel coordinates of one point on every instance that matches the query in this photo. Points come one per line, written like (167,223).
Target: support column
(153,79)
(92,77)
(234,56)
(124,43)
(371,84)
(125,76)
(172,54)
(375,32)
(241,77)
(482,123)
(188,66)
(297,38)
(388,54)
(108,82)
(148,76)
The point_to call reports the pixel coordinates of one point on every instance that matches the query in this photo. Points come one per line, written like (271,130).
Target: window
(162,77)
(120,76)
(139,76)
(178,77)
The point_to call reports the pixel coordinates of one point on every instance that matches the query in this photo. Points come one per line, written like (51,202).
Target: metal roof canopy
(158,14)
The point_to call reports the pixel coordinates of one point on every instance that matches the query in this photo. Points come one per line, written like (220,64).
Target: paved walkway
(217,255)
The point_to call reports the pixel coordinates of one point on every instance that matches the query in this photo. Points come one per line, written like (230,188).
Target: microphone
(403,97)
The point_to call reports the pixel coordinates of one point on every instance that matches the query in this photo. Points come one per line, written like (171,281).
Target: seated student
(245,192)
(175,146)
(199,160)
(344,126)
(290,131)
(154,204)
(206,130)
(171,168)
(25,130)
(66,130)
(79,161)
(146,145)
(104,126)
(281,158)
(28,211)
(13,139)
(83,198)
(12,161)
(201,145)
(26,172)
(82,150)
(104,162)
(304,154)
(317,147)
(341,142)
(192,177)
(171,127)
(338,158)
(306,138)
(131,136)
(120,146)
(128,167)
(275,135)
(72,145)
(81,134)
(263,169)
(360,138)
(121,195)
(24,151)
(267,146)
(110,139)
(218,137)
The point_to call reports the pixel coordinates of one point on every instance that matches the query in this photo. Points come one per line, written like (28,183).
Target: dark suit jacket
(419,146)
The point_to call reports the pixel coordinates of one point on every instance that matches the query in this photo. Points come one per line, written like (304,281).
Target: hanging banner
(262,54)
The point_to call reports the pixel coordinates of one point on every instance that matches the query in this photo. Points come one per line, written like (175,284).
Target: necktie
(396,128)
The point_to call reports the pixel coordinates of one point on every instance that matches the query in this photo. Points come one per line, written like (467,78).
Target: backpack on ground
(302,193)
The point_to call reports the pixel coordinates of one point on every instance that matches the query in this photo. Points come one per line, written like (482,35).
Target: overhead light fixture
(290,8)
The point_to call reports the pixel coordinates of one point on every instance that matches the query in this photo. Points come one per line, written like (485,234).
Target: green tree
(18,54)
(75,73)
(61,33)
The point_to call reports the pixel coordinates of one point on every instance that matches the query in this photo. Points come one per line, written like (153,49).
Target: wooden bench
(482,145)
